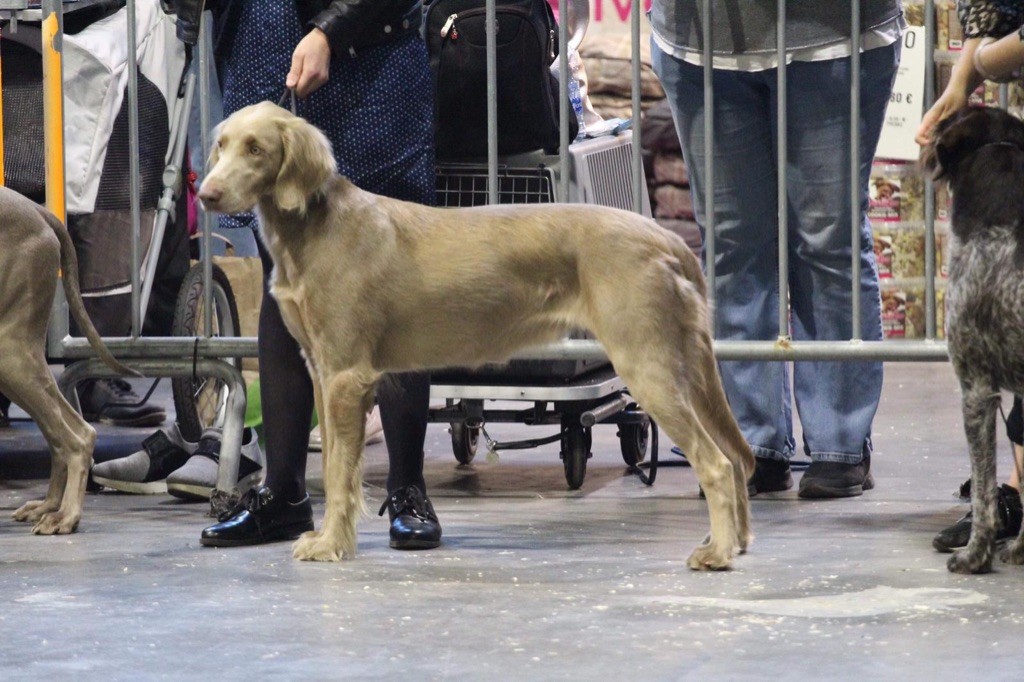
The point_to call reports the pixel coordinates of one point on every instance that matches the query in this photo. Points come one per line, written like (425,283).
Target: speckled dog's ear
(956,137)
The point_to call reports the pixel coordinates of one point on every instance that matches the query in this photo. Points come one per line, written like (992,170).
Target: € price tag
(906,104)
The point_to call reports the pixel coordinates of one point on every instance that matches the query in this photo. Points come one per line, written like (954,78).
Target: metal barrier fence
(179,356)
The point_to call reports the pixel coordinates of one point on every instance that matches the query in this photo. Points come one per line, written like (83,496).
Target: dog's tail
(69,267)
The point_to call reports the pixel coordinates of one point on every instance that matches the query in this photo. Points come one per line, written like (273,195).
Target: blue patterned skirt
(376,109)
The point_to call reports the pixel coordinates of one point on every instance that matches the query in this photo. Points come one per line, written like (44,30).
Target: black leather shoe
(824,480)
(258,518)
(414,524)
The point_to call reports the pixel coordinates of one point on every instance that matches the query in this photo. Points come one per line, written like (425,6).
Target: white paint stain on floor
(872,602)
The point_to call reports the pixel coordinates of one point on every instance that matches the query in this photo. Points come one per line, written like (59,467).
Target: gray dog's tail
(69,268)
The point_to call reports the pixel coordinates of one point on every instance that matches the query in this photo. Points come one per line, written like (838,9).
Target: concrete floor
(532,581)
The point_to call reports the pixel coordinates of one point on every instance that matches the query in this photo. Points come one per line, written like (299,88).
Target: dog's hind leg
(1014,554)
(71,440)
(980,403)
(346,397)
(664,397)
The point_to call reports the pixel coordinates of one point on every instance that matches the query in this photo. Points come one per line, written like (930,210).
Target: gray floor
(532,582)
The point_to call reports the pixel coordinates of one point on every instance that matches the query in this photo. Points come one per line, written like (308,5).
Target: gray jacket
(749,26)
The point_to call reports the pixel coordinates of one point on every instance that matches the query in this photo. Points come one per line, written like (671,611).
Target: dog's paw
(31,512)
(1013,554)
(56,523)
(709,557)
(969,560)
(315,546)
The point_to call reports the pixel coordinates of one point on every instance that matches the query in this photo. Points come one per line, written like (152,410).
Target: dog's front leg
(345,400)
(980,403)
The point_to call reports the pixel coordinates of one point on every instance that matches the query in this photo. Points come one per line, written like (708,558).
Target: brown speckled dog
(369,285)
(34,247)
(980,152)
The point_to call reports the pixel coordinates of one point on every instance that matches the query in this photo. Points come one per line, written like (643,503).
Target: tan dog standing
(34,246)
(369,285)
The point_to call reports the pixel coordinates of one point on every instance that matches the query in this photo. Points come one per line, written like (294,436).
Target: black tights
(286,392)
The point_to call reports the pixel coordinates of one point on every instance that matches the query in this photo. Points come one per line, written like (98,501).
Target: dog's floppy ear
(955,139)
(306,164)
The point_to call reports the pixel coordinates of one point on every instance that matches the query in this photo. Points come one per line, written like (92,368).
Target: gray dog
(34,247)
(980,152)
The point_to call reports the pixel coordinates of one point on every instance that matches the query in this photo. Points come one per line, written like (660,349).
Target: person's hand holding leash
(311,63)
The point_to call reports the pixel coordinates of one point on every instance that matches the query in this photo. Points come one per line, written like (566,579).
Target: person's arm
(332,33)
(981,19)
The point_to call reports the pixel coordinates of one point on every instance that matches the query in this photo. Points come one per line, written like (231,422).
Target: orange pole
(53,111)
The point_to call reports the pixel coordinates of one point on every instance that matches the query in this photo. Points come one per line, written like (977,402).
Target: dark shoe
(5,405)
(258,518)
(414,524)
(965,491)
(1008,519)
(770,476)
(824,480)
(145,472)
(112,401)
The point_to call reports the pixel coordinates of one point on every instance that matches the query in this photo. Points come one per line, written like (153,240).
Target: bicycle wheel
(201,402)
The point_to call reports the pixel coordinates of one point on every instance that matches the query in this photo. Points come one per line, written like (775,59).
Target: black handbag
(527,92)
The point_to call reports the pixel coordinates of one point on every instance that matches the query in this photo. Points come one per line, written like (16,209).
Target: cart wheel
(575,451)
(633,440)
(201,402)
(464,440)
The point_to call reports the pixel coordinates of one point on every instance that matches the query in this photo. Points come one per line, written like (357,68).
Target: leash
(289,93)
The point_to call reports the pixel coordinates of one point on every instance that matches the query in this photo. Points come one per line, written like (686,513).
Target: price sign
(906,104)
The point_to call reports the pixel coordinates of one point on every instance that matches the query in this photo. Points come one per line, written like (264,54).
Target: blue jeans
(835,401)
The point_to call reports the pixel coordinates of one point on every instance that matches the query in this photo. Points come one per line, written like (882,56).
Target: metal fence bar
(929,186)
(639,187)
(563,98)
(234,419)
(204,123)
(490,31)
(856,211)
(709,160)
(52,25)
(133,169)
(782,101)
(183,348)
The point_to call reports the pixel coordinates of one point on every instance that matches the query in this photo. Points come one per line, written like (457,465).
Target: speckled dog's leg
(980,402)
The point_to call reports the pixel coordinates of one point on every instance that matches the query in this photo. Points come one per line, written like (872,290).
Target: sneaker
(1008,520)
(374,431)
(824,480)
(197,478)
(5,405)
(112,401)
(414,524)
(145,472)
